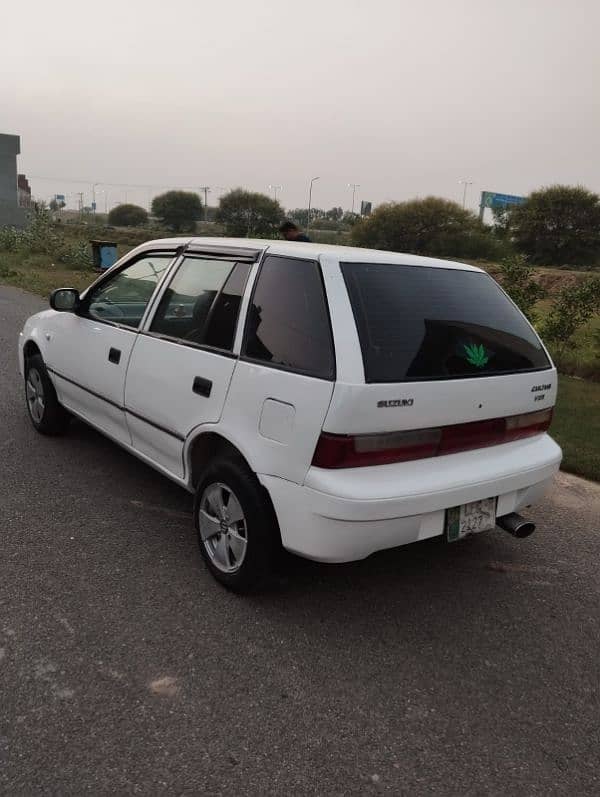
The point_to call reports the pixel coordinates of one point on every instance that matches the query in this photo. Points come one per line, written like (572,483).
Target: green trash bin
(104,254)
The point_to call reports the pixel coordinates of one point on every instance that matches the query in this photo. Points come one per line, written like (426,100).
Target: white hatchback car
(335,401)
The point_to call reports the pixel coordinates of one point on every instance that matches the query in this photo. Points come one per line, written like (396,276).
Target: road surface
(125,669)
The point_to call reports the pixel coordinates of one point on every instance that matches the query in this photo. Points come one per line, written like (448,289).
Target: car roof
(345,254)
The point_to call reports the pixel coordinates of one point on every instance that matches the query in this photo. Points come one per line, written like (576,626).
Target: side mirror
(65,300)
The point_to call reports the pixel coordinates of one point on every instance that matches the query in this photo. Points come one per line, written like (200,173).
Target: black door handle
(114,356)
(202,386)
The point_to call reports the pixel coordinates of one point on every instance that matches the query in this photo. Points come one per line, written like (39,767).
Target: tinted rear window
(417,323)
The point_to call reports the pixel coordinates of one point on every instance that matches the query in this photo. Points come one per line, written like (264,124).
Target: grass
(576,426)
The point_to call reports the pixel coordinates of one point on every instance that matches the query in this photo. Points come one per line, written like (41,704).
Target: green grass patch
(576,426)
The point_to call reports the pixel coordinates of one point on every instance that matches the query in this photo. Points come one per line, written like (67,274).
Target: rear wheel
(47,414)
(237,529)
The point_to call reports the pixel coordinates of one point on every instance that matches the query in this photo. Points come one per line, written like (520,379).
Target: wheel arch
(204,446)
(30,349)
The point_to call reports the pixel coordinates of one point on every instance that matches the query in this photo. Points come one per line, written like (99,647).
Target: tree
(431,226)
(335,214)
(250,214)
(179,210)
(559,225)
(128,216)
(299,216)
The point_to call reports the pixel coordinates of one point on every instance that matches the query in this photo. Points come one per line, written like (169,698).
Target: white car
(330,400)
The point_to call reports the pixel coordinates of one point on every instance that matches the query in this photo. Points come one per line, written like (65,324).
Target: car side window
(201,304)
(288,324)
(124,297)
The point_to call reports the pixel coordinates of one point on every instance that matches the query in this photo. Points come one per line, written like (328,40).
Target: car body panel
(274,416)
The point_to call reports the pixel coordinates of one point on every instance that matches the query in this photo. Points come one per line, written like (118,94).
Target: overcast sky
(405,97)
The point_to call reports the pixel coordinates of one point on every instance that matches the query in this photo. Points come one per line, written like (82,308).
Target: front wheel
(237,530)
(47,414)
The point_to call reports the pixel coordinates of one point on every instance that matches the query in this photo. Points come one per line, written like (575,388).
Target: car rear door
(182,363)
(441,346)
(88,351)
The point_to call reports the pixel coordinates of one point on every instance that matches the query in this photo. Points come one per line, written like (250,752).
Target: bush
(178,210)
(517,280)
(249,214)
(572,308)
(559,225)
(128,215)
(431,226)
(76,256)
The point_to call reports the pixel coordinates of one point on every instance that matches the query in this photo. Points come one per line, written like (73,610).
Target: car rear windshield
(418,323)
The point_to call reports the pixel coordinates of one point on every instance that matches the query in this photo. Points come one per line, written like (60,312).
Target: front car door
(88,351)
(182,363)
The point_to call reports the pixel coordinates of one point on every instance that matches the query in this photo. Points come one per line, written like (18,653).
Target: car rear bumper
(344,515)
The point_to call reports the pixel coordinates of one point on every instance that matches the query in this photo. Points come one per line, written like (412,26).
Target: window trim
(244,357)
(173,271)
(83,309)
(451,377)
(189,344)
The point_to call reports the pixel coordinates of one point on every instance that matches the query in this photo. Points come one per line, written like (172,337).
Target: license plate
(470,519)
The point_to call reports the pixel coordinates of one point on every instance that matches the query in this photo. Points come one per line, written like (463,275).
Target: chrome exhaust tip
(516,525)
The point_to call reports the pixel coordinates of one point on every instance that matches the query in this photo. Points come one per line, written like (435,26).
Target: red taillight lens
(346,451)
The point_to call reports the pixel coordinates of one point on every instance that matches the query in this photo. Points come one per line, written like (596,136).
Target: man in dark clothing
(293,233)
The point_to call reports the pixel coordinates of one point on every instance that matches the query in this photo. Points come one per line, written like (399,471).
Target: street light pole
(466,183)
(94,196)
(310,202)
(206,189)
(353,186)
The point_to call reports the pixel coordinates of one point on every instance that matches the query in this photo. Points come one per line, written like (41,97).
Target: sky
(403,97)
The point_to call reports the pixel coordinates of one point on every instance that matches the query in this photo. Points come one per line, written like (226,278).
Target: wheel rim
(223,528)
(34,390)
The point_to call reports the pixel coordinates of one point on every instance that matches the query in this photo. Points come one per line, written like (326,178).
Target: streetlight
(206,189)
(275,189)
(353,186)
(466,182)
(94,196)
(310,201)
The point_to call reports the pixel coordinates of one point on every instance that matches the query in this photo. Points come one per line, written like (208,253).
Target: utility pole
(80,195)
(94,197)
(353,186)
(206,189)
(466,182)
(310,202)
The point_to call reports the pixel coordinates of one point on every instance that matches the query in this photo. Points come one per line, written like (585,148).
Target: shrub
(247,213)
(178,210)
(516,276)
(431,226)
(128,215)
(559,225)
(572,308)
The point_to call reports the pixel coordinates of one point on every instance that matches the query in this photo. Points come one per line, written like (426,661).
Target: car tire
(243,550)
(47,414)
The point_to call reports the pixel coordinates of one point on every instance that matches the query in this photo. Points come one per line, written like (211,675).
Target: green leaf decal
(476,355)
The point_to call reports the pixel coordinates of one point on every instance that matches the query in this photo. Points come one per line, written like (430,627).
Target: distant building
(10,211)
(23,191)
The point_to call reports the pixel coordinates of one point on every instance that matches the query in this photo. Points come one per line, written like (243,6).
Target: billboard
(490,199)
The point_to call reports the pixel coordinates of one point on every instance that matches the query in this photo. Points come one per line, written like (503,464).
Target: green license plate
(470,519)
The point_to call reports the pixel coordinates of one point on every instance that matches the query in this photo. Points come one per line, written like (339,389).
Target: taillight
(347,451)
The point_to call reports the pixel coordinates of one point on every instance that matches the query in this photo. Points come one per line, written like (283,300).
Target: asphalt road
(125,669)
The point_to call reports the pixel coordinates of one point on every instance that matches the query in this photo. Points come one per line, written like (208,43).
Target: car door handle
(202,386)
(114,356)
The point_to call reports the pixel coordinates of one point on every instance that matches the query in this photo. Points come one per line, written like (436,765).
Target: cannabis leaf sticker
(476,355)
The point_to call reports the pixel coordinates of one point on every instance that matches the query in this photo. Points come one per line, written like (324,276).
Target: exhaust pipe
(516,525)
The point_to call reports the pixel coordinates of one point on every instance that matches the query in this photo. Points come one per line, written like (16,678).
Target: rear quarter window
(420,323)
